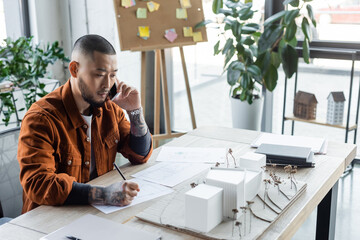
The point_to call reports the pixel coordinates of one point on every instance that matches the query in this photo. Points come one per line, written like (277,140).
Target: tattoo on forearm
(138,125)
(116,198)
(110,195)
(97,195)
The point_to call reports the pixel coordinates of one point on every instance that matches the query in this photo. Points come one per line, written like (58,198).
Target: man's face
(96,76)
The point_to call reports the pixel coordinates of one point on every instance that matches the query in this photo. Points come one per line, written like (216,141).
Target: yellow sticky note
(185,3)
(188,32)
(197,36)
(153,6)
(181,13)
(126,3)
(157,5)
(144,31)
(141,13)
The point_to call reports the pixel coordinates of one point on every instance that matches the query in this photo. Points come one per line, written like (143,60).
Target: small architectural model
(203,207)
(252,161)
(305,105)
(335,108)
(239,186)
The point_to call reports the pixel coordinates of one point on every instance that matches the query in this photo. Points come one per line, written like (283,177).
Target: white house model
(252,161)
(335,109)
(203,207)
(239,186)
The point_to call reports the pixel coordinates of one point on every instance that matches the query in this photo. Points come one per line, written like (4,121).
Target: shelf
(292,118)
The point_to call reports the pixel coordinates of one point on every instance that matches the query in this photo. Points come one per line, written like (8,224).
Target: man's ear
(73,68)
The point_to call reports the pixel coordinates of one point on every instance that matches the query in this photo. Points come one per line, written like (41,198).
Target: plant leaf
(248,41)
(270,78)
(294,3)
(237,65)
(290,31)
(216,48)
(305,50)
(274,17)
(202,24)
(217,4)
(227,46)
(233,76)
(240,48)
(289,59)
(269,37)
(254,70)
(290,16)
(275,59)
(311,14)
(263,61)
(247,15)
(229,55)
(306,28)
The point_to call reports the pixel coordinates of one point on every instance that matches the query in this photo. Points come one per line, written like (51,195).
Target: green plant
(254,52)
(22,63)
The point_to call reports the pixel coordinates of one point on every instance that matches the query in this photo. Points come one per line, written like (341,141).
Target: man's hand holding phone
(127,97)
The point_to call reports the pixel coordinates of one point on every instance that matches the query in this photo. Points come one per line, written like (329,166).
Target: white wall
(67,20)
(12,18)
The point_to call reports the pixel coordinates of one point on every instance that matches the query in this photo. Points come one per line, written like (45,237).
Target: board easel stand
(160,75)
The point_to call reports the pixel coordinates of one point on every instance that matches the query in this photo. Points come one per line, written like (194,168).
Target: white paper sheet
(92,227)
(317,145)
(192,154)
(171,174)
(147,192)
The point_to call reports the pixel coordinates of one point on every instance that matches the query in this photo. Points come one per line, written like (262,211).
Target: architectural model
(203,207)
(335,108)
(252,161)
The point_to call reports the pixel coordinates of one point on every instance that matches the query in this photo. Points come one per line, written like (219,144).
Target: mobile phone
(113,92)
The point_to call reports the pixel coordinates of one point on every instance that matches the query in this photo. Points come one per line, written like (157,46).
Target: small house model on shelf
(305,105)
(335,108)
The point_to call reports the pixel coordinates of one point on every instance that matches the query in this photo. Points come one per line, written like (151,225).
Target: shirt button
(69,162)
(85,126)
(88,139)
(87,163)
(116,141)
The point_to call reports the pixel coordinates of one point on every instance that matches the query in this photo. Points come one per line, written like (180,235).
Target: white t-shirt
(88,120)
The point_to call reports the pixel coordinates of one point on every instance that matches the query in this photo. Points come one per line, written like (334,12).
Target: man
(72,135)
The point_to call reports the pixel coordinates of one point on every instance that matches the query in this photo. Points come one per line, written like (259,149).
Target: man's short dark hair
(89,43)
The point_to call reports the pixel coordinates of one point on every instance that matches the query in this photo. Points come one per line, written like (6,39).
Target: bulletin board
(158,21)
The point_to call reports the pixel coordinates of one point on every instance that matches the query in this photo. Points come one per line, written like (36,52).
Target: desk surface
(319,181)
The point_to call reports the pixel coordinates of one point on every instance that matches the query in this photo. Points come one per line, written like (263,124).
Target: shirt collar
(71,107)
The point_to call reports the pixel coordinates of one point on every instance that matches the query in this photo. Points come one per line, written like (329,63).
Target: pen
(72,238)
(118,169)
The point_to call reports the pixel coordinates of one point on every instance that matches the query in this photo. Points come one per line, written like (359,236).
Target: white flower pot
(245,115)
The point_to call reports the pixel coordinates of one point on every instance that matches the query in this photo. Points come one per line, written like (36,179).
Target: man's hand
(116,194)
(128,97)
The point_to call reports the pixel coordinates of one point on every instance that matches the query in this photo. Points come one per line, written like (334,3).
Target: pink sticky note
(170,36)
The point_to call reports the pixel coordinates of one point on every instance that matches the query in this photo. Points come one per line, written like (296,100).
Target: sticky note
(153,6)
(141,13)
(144,32)
(188,32)
(197,36)
(181,13)
(128,3)
(170,35)
(185,3)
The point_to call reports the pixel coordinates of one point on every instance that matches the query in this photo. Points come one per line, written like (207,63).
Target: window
(209,88)
(2,22)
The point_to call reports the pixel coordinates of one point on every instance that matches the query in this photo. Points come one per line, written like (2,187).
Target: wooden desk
(320,180)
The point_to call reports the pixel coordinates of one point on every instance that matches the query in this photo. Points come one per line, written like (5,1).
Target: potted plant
(22,64)
(253,52)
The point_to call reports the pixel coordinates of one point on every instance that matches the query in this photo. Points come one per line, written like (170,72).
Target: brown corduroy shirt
(54,151)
